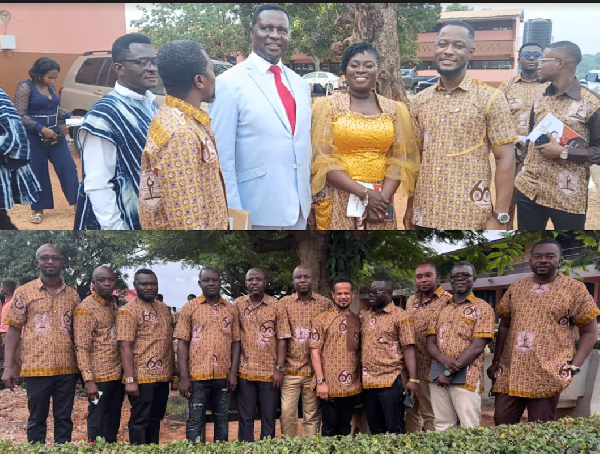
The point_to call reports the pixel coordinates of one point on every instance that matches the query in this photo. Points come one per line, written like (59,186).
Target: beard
(450,72)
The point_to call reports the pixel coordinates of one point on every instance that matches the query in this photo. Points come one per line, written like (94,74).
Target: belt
(43,116)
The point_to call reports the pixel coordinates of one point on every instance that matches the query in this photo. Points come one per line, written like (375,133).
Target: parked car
(327,80)
(91,77)
(410,78)
(426,84)
(592,80)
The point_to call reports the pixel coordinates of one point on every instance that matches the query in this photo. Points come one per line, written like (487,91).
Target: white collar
(263,65)
(124,91)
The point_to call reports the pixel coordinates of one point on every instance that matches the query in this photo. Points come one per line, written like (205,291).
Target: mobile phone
(409,401)
(541,140)
(389,216)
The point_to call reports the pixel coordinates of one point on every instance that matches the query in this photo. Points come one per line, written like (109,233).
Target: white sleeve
(100,164)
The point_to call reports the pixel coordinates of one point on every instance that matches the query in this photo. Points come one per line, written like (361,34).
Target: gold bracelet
(414,380)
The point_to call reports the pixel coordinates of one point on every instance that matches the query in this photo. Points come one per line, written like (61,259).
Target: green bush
(568,435)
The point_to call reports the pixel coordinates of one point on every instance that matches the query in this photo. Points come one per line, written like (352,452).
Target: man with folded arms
(456,339)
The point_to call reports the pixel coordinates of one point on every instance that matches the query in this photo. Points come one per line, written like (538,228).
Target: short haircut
(464,263)
(358,48)
(341,280)
(388,280)
(142,271)
(179,62)
(255,268)
(428,264)
(548,241)
(25,279)
(191,296)
(570,49)
(11,285)
(528,45)
(268,7)
(208,268)
(121,46)
(159,297)
(459,23)
(41,67)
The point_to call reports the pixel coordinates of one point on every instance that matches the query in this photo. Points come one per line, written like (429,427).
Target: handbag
(48,142)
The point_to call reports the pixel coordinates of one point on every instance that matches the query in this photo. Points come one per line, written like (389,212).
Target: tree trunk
(377,23)
(313,250)
(317,62)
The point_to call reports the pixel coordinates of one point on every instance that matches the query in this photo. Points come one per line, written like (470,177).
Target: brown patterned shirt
(94,323)
(540,338)
(258,335)
(384,333)
(455,328)
(47,322)
(558,183)
(210,330)
(520,95)
(294,324)
(336,335)
(150,327)
(457,130)
(422,313)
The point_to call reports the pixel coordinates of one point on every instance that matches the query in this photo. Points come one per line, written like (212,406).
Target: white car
(592,80)
(323,78)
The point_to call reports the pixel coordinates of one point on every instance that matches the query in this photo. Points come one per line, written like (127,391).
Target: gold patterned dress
(368,148)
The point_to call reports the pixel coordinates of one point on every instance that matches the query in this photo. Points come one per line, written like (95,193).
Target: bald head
(49,260)
(101,270)
(254,271)
(105,281)
(47,249)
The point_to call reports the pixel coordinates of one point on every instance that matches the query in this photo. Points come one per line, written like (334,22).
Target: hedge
(581,435)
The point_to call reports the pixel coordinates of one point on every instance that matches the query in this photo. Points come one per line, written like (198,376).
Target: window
(335,68)
(311,76)
(304,68)
(592,77)
(89,71)
(105,73)
(479,26)
(324,66)
(490,64)
(322,76)
(220,68)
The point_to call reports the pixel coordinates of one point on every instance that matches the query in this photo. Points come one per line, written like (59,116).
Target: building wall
(62,31)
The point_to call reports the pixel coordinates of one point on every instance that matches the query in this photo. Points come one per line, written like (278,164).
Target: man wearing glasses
(388,345)
(456,340)
(521,91)
(112,138)
(42,311)
(554,181)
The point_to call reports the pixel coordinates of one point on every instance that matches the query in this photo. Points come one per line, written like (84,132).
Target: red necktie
(286,97)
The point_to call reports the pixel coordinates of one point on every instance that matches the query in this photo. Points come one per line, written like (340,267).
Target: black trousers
(5,222)
(337,415)
(104,418)
(249,393)
(208,394)
(532,216)
(147,411)
(384,408)
(61,388)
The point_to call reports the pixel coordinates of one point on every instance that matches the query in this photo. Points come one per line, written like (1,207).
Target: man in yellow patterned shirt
(554,181)
(181,187)
(458,122)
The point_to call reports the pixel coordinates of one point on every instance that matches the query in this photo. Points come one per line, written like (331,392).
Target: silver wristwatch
(502,218)
(279,368)
(564,154)
(320,381)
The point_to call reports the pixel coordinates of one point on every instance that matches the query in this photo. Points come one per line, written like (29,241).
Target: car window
(220,68)
(322,76)
(592,77)
(405,72)
(310,76)
(89,71)
(105,73)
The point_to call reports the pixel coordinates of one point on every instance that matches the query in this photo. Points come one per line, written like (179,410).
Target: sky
(577,22)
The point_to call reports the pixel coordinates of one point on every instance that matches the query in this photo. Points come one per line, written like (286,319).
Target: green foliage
(415,18)
(581,435)
(588,63)
(458,7)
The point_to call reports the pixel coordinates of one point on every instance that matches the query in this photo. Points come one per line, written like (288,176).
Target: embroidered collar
(188,110)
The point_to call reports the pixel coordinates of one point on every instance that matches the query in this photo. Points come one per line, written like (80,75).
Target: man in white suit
(261,118)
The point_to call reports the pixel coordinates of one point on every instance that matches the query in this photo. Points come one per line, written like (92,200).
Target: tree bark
(317,62)
(313,250)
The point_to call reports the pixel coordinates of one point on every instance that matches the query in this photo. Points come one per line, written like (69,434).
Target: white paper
(71,122)
(548,123)
(355,208)
(95,401)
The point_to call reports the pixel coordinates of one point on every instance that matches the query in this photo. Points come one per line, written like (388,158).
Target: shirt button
(294,166)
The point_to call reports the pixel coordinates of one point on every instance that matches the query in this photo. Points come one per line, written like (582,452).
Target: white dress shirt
(100,164)
(265,68)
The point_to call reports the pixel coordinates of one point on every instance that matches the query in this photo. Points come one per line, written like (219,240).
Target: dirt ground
(14,414)
(62,217)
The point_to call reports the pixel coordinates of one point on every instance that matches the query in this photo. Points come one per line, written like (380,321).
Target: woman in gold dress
(360,137)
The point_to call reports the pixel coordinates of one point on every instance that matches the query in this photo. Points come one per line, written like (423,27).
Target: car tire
(414,89)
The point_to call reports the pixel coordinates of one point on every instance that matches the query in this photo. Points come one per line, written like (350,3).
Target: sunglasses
(532,54)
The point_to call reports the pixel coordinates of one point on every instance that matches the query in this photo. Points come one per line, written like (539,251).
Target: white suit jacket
(266,168)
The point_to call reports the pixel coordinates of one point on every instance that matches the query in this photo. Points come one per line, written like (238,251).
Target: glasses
(543,59)
(47,258)
(378,292)
(143,63)
(532,54)
(464,276)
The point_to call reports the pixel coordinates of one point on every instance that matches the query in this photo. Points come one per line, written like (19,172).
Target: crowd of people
(414,368)
(265,148)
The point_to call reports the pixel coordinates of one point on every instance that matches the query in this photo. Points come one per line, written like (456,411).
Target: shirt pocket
(464,328)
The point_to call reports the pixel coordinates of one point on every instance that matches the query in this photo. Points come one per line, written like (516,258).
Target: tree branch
(262,245)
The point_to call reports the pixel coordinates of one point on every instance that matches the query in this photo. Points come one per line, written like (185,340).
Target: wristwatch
(447,373)
(502,218)
(574,369)
(564,154)
(129,380)
(320,381)
(365,198)
(279,368)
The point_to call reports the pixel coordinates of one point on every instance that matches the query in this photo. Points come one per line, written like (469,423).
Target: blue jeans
(532,216)
(208,394)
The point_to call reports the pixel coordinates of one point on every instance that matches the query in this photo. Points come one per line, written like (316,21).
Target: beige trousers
(291,389)
(420,417)
(454,403)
